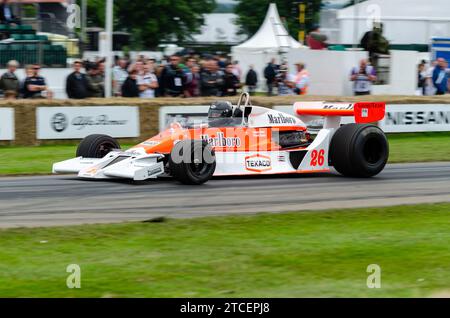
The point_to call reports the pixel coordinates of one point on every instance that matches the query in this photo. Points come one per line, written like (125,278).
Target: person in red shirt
(316,40)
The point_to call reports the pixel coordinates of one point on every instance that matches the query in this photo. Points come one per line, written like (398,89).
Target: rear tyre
(96,146)
(359,150)
(192,162)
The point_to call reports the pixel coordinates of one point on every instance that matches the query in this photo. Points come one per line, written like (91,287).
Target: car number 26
(317,158)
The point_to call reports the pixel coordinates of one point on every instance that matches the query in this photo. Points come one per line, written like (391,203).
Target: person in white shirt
(147,82)
(120,74)
(363,77)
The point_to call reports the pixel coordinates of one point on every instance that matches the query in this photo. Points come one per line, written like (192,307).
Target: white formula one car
(244,140)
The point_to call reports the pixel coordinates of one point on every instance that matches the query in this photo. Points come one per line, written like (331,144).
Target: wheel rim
(373,151)
(198,167)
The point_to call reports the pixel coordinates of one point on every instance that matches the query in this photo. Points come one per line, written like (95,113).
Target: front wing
(117,164)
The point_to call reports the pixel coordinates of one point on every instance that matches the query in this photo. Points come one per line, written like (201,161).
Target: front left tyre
(96,146)
(192,162)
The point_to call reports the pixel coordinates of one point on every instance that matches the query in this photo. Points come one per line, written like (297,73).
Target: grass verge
(307,254)
(424,147)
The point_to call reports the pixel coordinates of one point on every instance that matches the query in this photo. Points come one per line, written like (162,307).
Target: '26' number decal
(317,158)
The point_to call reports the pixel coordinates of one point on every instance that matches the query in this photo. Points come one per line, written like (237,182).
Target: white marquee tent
(271,41)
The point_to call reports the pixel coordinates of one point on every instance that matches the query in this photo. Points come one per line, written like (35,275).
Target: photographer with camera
(284,81)
(95,80)
(363,77)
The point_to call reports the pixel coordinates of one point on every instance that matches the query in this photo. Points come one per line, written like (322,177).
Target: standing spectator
(285,81)
(120,74)
(193,87)
(173,79)
(251,80)
(34,85)
(363,77)
(270,72)
(421,79)
(147,82)
(96,82)
(230,82)
(190,63)
(430,89)
(139,67)
(159,71)
(440,77)
(237,70)
(101,68)
(301,79)
(7,15)
(76,83)
(212,79)
(151,64)
(9,82)
(130,87)
(316,40)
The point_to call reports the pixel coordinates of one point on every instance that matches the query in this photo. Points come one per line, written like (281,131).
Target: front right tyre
(96,146)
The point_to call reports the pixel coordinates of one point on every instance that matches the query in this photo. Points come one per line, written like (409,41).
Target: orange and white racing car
(244,140)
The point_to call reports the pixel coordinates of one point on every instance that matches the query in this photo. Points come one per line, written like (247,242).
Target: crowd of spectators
(285,81)
(175,76)
(433,78)
(193,76)
(33,86)
(182,76)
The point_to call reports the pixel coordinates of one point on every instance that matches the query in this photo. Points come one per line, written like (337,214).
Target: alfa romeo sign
(79,122)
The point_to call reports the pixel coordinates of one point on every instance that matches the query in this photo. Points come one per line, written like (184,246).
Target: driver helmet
(220,114)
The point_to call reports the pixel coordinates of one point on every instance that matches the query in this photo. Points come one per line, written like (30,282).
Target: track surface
(63,200)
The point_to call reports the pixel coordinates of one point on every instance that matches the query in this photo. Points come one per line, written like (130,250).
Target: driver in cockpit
(220,114)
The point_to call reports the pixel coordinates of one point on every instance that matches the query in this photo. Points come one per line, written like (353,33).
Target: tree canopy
(251,14)
(151,22)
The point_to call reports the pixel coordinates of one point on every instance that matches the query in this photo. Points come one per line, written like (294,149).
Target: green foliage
(151,22)
(225,8)
(251,14)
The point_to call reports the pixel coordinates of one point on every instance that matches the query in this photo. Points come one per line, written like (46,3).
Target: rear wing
(363,112)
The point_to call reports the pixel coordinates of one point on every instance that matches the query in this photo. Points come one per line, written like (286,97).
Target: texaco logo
(59,122)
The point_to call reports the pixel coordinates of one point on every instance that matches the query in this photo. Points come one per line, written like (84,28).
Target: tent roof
(398,9)
(271,35)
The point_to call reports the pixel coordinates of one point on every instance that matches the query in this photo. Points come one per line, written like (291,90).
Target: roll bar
(244,96)
(244,99)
